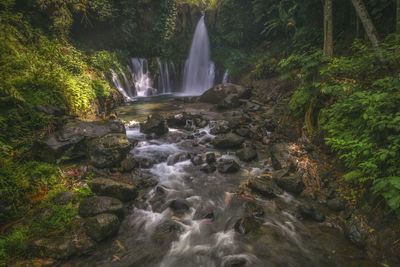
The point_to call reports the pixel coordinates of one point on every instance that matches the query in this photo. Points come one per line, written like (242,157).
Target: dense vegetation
(57,53)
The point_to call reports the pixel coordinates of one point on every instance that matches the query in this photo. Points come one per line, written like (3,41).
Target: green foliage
(357,99)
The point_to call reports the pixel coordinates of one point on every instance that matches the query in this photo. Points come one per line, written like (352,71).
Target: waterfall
(225,79)
(164,79)
(199,70)
(141,78)
(119,86)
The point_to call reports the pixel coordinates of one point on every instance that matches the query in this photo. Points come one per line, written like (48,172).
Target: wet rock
(129,163)
(95,205)
(292,184)
(254,209)
(166,232)
(247,224)
(211,157)
(102,226)
(270,125)
(178,157)
(235,261)
(335,204)
(219,93)
(178,120)
(356,231)
(155,124)
(70,142)
(56,248)
(220,127)
(179,205)
(108,151)
(145,163)
(248,153)
(208,168)
(200,123)
(197,160)
(243,132)
(280,156)
(231,101)
(229,140)
(111,188)
(226,165)
(310,212)
(264,186)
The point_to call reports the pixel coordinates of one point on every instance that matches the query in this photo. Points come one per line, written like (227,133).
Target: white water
(225,79)
(118,85)
(141,78)
(199,70)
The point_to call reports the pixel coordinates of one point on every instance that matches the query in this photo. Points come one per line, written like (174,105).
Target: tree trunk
(328,29)
(366,21)
(398,16)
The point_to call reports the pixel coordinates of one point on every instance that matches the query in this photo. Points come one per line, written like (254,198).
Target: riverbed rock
(129,163)
(155,124)
(102,226)
(247,224)
(218,93)
(166,232)
(335,204)
(211,157)
(70,142)
(243,132)
(197,160)
(356,231)
(178,120)
(280,156)
(208,168)
(178,157)
(108,151)
(95,205)
(264,186)
(231,101)
(235,261)
(219,127)
(179,205)
(110,188)
(292,184)
(248,153)
(311,212)
(229,140)
(227,165)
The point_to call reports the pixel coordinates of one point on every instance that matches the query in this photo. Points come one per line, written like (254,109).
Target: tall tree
(398,16)
(366,21)
(328,29)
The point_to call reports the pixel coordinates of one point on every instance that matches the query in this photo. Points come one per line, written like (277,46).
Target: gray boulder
(108,151)
(219,127)
(264,186)
(292,184)
(248,153)
(219,93)
(95,205)
(229,140)
(111,188)
(225,165)
(280,156)
(155,124)
(178,157)
(70,142)
(102,226)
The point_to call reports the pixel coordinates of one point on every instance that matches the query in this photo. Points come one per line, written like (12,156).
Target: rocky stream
(210,181)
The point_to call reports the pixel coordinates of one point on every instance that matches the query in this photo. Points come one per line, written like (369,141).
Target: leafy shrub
(357,100)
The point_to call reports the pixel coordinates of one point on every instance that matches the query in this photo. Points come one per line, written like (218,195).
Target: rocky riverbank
(224,180)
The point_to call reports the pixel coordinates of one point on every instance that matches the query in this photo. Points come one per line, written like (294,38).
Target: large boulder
(178,157)
(219,93)
(280,156)
(111,188)
(95,205)
(219,127)
(292,183)
(227,165)
(102,226)
(311,212)
(70,142)
(264,186)
(248,153)
(155,124)
(229,140)
(108,151)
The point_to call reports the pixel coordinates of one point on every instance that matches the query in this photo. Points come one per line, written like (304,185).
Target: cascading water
(164,82)
(141,78)
(225,79)
(199,71)
(118,85)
